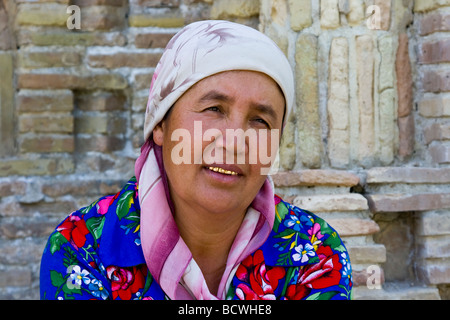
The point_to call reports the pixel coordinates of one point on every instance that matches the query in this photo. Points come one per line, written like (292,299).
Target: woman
(200,219)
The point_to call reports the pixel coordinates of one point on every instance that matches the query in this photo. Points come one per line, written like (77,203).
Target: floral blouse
(95,253)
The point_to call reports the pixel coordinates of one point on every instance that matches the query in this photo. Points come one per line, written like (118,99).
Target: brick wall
(368,146)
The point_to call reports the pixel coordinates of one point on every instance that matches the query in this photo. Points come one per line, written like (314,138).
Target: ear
(158,134)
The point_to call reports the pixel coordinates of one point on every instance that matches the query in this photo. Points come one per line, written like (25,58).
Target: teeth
(223,171)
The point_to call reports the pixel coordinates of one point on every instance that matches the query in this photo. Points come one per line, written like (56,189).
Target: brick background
(368,146)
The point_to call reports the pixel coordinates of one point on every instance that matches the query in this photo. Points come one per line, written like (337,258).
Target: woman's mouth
(223,171)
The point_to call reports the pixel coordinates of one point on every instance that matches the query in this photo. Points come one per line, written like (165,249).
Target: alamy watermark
(235,147)
(74,20)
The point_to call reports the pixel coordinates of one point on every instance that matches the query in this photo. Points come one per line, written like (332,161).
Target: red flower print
(126,281)
(261,281)
(74,230)
(317,276)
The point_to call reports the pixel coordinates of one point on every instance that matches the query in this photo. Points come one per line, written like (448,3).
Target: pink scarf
(199,50)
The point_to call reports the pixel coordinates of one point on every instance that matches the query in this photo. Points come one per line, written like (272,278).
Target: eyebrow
(214,95)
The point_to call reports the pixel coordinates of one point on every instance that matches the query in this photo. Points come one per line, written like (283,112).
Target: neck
(209,237)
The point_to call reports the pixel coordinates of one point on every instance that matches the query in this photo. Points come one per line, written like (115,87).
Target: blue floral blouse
(95,253)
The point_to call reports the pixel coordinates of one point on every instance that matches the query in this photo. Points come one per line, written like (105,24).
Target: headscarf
(199,50)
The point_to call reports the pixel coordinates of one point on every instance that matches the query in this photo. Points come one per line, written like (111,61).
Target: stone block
(386,47)
(300,12)
(375,253)
(99,143)
(406,128)
(315,178)
(309,139)
(365,77)
(329,14)
(408,175)
(387,125)
(7,88)
(331,203)
(436,271)
(408,202)
(222,9)
(103,18)
(349,227)
(433,247)
(404,77)
(356,15)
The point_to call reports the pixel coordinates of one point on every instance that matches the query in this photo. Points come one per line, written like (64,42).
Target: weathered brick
(103,18)
(48,58)
(437,51)
(68,38)
(123,59)
(387,131)
(152,40)
(7,39)
(315,178)
(436,80)
(105,123)
(440,153)
(44,100)
(356,12)
(36,167)
(408,175)
(47,144)
(407,202)
(71,81)
(385,13)
(142,80)
(49,123)
(434,247)
(99,143)
(330,203)
(170,20)
(21,252)
(101,101)
(434,22)
(9,188)
(435,106)
(437,131)
(42,14)
(81,187)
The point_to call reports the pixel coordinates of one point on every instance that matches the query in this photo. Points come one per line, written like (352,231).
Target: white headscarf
(199,50)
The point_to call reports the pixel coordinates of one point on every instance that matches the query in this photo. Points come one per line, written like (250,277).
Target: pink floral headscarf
(199,50)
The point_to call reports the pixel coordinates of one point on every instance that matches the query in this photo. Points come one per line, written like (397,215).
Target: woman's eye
(215,109)
(262,121)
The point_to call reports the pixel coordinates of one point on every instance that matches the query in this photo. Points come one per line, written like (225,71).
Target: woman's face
(217,137)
